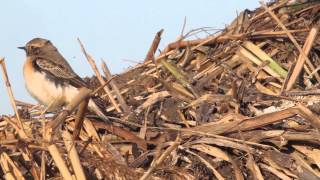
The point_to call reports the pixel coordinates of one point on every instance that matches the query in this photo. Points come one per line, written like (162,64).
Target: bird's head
(38,46)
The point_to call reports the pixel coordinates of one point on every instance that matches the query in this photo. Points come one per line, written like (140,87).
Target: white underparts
(47,92)
(53,96)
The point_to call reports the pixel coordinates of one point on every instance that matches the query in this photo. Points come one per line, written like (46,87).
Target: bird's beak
(22,47)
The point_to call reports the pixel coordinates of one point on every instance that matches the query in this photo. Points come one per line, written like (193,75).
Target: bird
(50,79)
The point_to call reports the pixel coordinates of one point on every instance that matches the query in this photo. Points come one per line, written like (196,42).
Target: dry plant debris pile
(242,103)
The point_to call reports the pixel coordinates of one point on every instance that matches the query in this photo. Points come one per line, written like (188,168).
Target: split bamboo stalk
(100,78)
(221,38)
(176,72)
(158,161)
(200,42)
(27,156)
(61,165)
(282,3)
(153,48)
(15,126)
(294,41)
(8,165)
(209,166)
(73,156)
(301,60)
(19,129)
(258,56)
(10,93)
(115,88)
(9,176)
(80,118)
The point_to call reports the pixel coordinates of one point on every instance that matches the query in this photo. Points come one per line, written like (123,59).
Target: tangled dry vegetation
(239,104)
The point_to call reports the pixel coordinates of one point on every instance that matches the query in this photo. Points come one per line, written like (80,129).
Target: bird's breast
(46,91)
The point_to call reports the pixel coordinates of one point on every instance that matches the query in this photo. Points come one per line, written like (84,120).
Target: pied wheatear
(50,79)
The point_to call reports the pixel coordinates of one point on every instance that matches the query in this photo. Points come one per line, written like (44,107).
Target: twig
(153,48)
(315,92)
(79,118)
(294,41)
(10,167)
(285,82)
(99,76)
(123,133)
(157,39)
(43,153)
(85,145)
(20,129)
(301,60)
(183,119)
(183,26)
(102,86)
(271,8)
(83,94)
(252,166)
(115,88)
(206,41)
(73,155)
(10,93)
(61,165)
(158,161)
(179,75)
(143,131)
(15,126)
(205,162)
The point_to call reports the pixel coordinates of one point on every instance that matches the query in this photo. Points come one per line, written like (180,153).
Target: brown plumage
(50,79)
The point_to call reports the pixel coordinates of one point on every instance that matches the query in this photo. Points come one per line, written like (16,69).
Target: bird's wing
(60,71)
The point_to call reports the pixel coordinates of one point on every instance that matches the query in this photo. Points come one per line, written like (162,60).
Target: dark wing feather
(60,71)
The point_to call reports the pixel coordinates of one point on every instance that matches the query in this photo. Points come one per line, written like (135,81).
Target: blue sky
(118,31)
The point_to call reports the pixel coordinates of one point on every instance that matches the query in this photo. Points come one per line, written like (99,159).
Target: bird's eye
(34,49)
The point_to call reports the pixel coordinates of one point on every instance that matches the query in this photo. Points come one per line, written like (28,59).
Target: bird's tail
(98,106)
